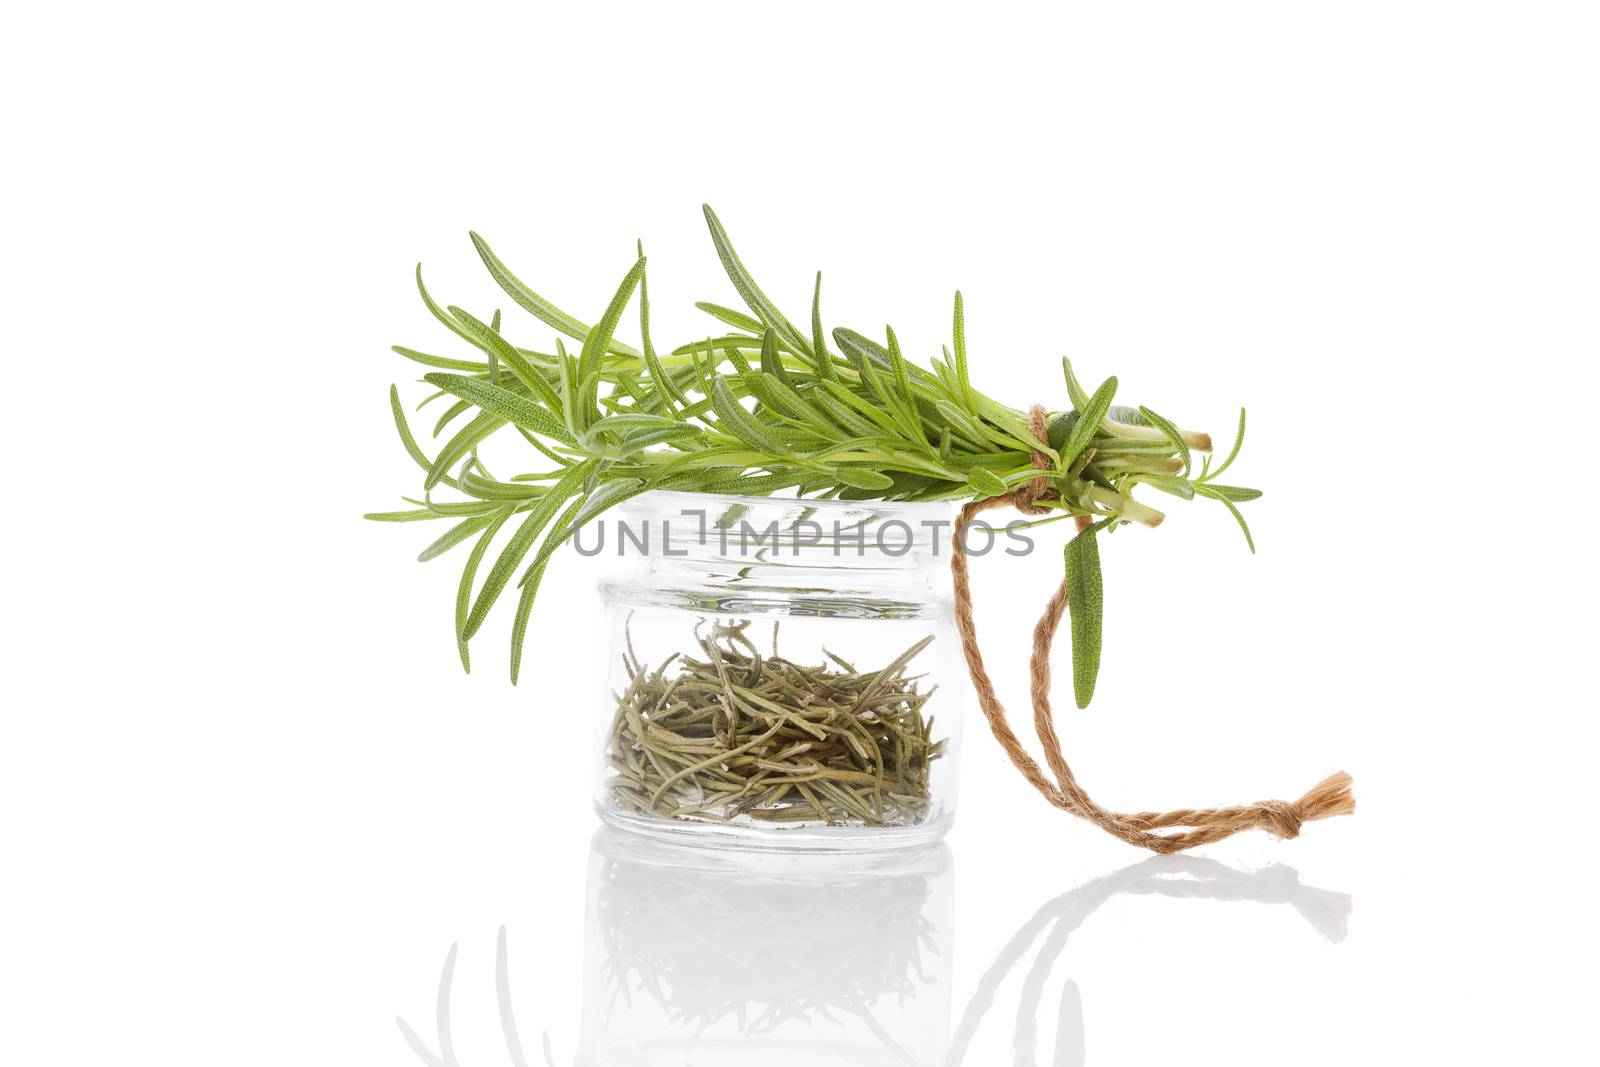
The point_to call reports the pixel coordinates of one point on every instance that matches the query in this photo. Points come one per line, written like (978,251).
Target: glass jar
(782,673)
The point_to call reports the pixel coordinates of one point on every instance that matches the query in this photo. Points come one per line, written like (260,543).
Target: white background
(248,800)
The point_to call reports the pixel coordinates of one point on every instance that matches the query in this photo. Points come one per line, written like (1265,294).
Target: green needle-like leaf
(861,478)
(985,484)
(469,574)
(959,331)
(538,517)
(1090,415)
(1212,492)
(1085,603)
(599,339)
(819,340)
(736,420)
(1233,453)
(750,292)
(505,404)
(1173,435)
(737,319)
(535,304)
(454,536)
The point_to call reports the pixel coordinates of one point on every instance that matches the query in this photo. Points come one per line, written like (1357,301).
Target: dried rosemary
(734,734)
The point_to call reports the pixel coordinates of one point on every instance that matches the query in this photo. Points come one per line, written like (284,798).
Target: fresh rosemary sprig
(760,406)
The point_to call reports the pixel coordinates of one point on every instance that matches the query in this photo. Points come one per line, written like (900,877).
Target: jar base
(825,839)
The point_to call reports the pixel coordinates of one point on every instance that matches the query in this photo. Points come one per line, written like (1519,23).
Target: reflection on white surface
(709,958)
(740,958)
(1184,877)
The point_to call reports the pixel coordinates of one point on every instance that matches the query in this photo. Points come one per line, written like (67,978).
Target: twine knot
(1024,497)
(1281,817)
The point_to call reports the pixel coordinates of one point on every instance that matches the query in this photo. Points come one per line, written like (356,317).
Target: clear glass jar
(782,673)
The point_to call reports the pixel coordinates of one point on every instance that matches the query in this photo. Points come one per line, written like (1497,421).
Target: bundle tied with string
(1329,797)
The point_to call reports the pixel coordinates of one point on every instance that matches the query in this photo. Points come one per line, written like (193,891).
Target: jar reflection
(740,958)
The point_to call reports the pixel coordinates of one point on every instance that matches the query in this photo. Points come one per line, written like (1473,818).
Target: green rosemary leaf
(861,477)
(750,292)
(1061,428)
(819,343)
(454,536)
(486,488)
(985,484)
(677,433)
(1090,415)
(741,365)
(609,495)
(406,439)
(451,414)
(726,343)
(734,419)
(1075,390)
(851,445)
(623,423)
(905,399)
(1179,487)
(666,384)
(959,331)
(1208,490)
(604,496)
(1238,494)
(861,407)
(461,445)
(530,589)
(771,363)
(439,313)
(960,421)
(789,399)
(448,508)
(880,379)
(441,362)
(599,339)
(1085,602)
(737,319)
(842,413)
(521,541)
(666,388)
(420,515)
(1233,453)
(469,573)
(505,404)
(488,338)
(537,305)
(1010,422)
(1173,434)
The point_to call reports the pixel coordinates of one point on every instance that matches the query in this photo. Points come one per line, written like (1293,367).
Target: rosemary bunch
(759,406)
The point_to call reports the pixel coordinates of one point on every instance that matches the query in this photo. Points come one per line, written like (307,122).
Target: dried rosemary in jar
(726,732)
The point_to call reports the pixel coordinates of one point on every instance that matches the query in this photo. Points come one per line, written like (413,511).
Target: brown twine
(1329,797)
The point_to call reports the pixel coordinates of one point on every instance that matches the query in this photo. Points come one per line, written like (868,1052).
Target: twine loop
(1329,797)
